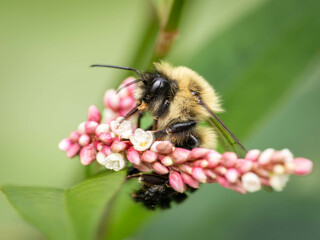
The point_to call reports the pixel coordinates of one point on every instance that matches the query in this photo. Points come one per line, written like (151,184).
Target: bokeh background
(262,56)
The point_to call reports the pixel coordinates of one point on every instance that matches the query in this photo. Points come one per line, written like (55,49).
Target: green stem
(168,32)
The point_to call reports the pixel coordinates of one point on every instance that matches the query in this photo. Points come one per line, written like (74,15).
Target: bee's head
(156,88)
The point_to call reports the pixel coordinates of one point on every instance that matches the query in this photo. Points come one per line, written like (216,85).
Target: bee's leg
(155,124)
(140,115)
(190,143)
(149,178)
(175,128)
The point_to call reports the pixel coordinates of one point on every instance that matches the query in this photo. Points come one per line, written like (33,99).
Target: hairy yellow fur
(184,105)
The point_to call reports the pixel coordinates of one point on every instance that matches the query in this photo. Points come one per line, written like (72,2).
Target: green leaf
(74,213)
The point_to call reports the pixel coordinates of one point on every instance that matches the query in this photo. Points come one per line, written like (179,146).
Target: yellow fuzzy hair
(184,104)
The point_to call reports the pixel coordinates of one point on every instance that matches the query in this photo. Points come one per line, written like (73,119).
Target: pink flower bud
(187,179)
(118,146)
(229,159)
(180,155)
(74,136)
(65,144)
(198,174)
(302,166)
(265,156)
(244,165)
(82,128)
(106,138)
(167,161)
(210,173)
(84,140)
(223,182)
(73,150)
(127,103)
(232,175)
(94,114)
(101,158)
(111,99)
(253,155)
(176,182)
(102,128)
(143,167)
(106,150)
(149,156)
(220,170)
(131,87)
(90,127)
(198,153)
(159,168)
(200,163)
(87,155)
(213,158)
(185,168)
(164,147)
(133,156)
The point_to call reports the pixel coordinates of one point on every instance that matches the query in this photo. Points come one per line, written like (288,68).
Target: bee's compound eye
(158,84)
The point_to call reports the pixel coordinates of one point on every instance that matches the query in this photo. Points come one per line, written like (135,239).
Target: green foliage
(73,213)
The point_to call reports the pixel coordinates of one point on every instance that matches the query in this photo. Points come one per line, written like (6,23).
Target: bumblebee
(179,99)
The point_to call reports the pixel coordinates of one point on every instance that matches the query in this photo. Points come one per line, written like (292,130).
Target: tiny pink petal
(180,155)
(159,168)
(73,150)
(133,156)
(87,155)
(185,168)
(223,182)
(213,158)
(187,179)
(65,144)
(200,163)
(127,103)
(167,161)
(243,165)
(176,182)
(198,174)
(149,156)
(198,153)
(265,156)
(94,114)
(143,167)
(253,155)
(220,170)
(131,87)
(210,173)
(302,166)
(84,140)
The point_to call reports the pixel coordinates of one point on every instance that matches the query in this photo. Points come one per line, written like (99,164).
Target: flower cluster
(113,142)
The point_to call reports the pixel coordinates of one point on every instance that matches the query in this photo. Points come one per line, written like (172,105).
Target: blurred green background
(262,56)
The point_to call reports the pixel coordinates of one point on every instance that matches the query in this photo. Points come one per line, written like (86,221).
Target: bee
(179,99)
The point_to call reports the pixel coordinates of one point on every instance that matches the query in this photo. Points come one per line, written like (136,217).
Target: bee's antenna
(128,84)
(124,68)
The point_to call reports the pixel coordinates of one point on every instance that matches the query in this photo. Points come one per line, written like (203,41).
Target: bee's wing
(228,141)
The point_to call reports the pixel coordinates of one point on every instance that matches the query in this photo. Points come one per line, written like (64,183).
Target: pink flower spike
(253,155)
(133,156)
(229,159)
(302,166)
(244,165)
(198,174)
(87,155)
(94,114)
(232,175)
(180,155)
(167,161)
(213,158)
(149,156)
(187,179)
(176,182)
(74,136)
(111,99)
(159,168)
(127,103)
(84,140)
(198,153)
(118,146)
(106,138)
(90,127)
(73,150)
(65,144)
(164,147)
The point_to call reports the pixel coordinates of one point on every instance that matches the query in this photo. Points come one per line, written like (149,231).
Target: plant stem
(168,32)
